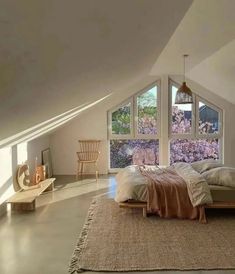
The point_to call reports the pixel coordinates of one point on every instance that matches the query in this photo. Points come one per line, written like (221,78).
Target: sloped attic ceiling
(207,34)
(58,54)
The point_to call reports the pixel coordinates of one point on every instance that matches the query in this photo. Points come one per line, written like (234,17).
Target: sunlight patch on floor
(75,189)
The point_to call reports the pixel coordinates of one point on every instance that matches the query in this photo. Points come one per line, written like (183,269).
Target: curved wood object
(23,178)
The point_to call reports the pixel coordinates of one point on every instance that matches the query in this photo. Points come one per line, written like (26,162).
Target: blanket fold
(168,195)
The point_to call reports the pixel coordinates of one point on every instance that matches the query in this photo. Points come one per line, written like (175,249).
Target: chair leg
(81,170)
(78,171)
(96,172)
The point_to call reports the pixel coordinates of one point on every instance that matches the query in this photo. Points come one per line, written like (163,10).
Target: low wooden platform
(136,204)
(221,205)
(143,205)
(25,200)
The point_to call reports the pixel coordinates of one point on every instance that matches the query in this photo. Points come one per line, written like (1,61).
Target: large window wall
(195,129)
(134,129)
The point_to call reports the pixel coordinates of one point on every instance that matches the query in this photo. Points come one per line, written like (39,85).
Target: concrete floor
(43,241)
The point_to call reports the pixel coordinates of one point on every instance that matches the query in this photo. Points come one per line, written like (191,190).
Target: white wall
(92,124)
(9,159)
(6,186)
(35,148)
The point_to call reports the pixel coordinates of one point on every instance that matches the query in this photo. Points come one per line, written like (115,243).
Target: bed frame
(135,204)
(143,205)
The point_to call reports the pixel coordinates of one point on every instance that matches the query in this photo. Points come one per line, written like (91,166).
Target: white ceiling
(207,34)
(57,54)
(217,72)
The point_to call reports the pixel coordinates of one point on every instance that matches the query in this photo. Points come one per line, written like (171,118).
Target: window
(208,119)
(133,152)
(193,141)
(147,112)
(134,128)
(121,120)
(189,150)
(195,131)
(181,116)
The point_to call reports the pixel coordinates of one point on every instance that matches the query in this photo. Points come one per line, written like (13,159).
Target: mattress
(222,193)
(131,185)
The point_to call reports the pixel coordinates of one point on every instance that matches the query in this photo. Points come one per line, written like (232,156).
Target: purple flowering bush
(183,150)
(147,112)
(181,120)
(127,152)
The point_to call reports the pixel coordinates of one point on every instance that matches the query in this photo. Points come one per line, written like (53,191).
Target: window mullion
(134,117)
(196,116)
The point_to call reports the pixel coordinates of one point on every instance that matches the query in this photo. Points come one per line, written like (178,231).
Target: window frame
(134,121)
(220,120)
(158,116)
(195,135)
(193,123)
(110,112)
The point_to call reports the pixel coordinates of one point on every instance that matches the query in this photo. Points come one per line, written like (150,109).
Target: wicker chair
(88,154)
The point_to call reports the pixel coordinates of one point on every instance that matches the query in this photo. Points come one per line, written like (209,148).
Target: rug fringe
(74,266)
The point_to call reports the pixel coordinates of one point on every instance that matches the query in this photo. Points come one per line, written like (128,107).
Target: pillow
(222,176)
(204,165)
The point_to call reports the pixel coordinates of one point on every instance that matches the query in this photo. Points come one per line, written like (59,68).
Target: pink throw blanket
(168,195)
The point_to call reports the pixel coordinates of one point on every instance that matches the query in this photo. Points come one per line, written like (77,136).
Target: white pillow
(204,165)
(222,176)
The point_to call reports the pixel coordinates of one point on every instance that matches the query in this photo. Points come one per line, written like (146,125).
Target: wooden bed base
(135,204)
(221,205)
(143,205)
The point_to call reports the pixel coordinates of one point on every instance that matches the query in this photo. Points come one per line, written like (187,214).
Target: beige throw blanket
(168,195)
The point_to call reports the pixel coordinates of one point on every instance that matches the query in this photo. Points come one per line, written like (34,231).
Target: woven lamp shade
(184,95)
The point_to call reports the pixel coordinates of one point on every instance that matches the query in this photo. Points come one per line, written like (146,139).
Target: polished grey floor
(42,242)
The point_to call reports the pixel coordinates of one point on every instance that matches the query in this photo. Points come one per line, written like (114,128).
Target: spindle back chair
(88,154)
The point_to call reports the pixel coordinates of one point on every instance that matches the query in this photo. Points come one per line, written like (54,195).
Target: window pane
(208,119)
(181,121)
(121,120)
(183,150)
(127,152)
(147,112)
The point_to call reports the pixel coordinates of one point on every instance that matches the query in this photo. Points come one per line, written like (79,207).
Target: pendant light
(184,94)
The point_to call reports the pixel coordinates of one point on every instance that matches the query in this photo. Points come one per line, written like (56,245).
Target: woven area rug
(115,239)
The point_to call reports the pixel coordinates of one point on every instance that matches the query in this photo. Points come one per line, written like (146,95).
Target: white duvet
(131,184)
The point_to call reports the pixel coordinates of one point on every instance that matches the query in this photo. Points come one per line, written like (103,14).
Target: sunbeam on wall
(49,125)
(5,173)
(22,153)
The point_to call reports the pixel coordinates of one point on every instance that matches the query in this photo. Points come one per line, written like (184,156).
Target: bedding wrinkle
(167,195)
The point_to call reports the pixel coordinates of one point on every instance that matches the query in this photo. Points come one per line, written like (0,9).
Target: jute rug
(115,239)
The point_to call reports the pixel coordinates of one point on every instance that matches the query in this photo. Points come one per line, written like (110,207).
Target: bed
(218,185)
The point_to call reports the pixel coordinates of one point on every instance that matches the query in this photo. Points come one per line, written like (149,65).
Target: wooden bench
(25,200)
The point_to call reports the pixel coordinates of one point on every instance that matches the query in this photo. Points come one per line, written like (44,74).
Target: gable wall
(92,124)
